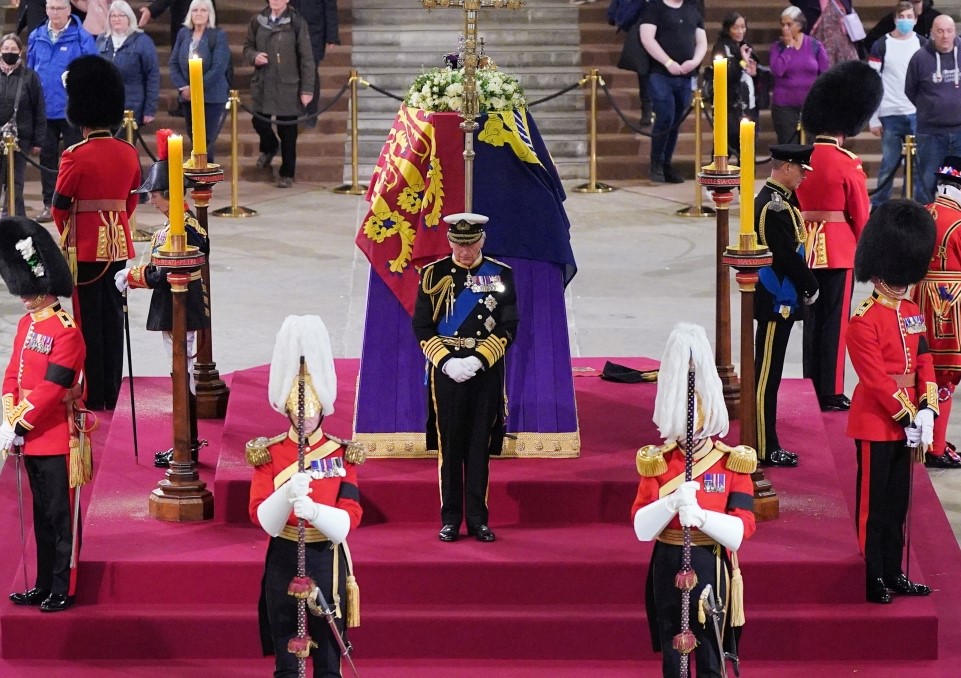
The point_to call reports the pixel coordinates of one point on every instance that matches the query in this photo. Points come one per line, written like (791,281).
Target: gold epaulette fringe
(355,452)
(257,451)
(740,459)
(650,460)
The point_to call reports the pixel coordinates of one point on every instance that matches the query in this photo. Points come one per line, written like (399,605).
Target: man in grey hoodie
(933,85)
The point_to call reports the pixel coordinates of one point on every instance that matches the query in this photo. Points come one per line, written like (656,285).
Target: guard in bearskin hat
(303,387)
(91,207)
(160,315)
(938,298)
(42,376)
(835,206)
(896,399)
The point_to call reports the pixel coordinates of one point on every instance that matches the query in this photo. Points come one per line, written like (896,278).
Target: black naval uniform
(780,227)
(460,313)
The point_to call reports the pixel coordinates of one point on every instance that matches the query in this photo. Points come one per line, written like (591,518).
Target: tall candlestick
(175,175)
(747,176)
(720,107)
(197,117)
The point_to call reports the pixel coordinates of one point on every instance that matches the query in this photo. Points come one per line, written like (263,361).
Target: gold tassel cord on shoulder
(442,291)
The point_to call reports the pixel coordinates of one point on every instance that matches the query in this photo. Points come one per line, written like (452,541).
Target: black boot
(877,592)
(905,587)
(657,173)
(671,176)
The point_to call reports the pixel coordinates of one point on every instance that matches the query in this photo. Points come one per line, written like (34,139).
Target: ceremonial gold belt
(676,538)
(904,380)
(105,205)
(196,275)
(942,276)
(823,215)
(459,342)
(312,534)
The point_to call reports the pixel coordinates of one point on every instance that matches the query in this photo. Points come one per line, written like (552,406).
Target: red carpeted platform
(561,590)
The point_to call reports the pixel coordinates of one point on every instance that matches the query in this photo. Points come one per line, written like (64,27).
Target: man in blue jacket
(50,49)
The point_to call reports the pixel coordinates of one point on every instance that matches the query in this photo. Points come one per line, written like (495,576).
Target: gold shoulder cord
(439,292)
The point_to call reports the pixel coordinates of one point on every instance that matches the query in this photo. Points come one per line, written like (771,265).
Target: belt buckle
(469,342)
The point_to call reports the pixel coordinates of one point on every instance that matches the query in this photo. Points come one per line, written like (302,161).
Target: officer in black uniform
(465,318)
(784,283)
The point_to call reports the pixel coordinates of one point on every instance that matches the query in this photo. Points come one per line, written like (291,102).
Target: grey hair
(795,14)
(124,8)
(211,21)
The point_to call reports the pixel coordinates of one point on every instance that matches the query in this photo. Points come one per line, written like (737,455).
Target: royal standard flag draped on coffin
(419,179)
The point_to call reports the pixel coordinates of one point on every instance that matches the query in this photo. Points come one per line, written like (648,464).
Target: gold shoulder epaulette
(865,305)
(740,459)
(79,143)
(257,451)
(851,155)
(66,319)
(354,454)
(194,224)
(650,459)
(497,261)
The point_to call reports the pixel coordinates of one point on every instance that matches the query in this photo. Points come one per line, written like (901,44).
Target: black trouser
(49,484)
(785,120)
(882,495)
(646,106)
(825,322)
(57,129)
(19,168)
(287,143)
(770,345)
(101,322)
(665,564)
(281,607)
(465,417)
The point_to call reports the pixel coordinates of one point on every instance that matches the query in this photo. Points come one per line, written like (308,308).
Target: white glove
(333,522)
(811,299)
(685,495)
(914,436)
(120,280)
(298,486)
(925,421)
(692,516)
(473,363)
(7,436)
(457,370)
(305,508)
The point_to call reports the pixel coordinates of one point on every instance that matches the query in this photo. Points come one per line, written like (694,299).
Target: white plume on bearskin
(304,335)
(688,346)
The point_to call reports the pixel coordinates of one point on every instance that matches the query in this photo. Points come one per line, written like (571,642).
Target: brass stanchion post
(9,150)
(354,187)
(801,134)
(697,209)
(909,151)
(593,185)
(234,211)
(129,125)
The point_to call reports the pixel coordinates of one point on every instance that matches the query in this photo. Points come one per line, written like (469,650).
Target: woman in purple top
(796,62)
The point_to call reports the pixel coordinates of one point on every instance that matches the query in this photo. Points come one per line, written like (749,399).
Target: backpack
(882,49)
(624,13)
(230,62)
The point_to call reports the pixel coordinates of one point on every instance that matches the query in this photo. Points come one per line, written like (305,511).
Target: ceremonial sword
(345,648)
(133,406)
(714,610)
(18,454)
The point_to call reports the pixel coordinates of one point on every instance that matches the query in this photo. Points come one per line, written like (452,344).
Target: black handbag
(633,56)
(763,84)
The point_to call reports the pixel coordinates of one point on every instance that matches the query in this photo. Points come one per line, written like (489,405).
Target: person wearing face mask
(21,112)
(896,400)
(924,12)
(933,85)
(896,116)
(937,296)
(465,317)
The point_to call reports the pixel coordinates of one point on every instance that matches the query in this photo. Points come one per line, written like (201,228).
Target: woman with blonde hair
(135,56)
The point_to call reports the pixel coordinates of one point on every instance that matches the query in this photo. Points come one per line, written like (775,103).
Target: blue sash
(465,303)
(783,291)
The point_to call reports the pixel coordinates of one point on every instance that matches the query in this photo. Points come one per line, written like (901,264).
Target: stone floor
(642,268)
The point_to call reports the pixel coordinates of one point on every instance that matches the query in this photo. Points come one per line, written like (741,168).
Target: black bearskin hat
(31,263)
(95,94)
(896,245)
(842,100)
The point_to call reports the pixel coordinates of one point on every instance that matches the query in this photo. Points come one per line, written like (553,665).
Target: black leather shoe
(836,403)
(905,587)
(264,160)
(163,459)
(672,177)
(56,602)
(448,533)
(780,457)
(32,597)
(481,533)
(940,461)
(657,174)
(877,592)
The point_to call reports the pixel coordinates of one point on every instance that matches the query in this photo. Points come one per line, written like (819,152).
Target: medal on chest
(40,343)
(327,468)
(914,324)
(484,283)
(715,482)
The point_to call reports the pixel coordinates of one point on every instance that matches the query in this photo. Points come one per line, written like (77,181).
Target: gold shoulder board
(354,454)
(257,450)
(650,459)
(740,459)
(865,305)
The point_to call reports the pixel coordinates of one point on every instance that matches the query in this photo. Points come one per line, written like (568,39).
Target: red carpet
(560,591)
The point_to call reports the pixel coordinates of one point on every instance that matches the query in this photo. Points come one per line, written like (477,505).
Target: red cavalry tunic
(95,180)
(47,360)
(834,201)
(937,295)
(889,351)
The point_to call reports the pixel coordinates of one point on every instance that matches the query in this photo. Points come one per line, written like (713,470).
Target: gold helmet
(302,353)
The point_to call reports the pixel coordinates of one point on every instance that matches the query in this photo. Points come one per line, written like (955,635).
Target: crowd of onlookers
(284,44)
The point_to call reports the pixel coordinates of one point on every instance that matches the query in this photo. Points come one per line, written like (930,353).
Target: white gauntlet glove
(914,436)
(456,369)
(811,299)
(334,523)
(473,363)
(298,486)
(7,436)
(685,495)
(120,280)
(925,421)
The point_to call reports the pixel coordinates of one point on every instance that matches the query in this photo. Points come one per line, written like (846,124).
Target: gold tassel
(737,594)
(76,472)
(702,609)
(353,603)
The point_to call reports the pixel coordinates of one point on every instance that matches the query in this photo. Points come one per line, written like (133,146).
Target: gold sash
(321,452)
(700,467)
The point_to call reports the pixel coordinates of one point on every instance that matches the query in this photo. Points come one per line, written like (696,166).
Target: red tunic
(938,294)
(733,492)
(47,359)
(889,352)
(97,175)
(339,492)
(836,184)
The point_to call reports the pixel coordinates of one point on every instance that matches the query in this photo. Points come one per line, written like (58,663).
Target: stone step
(417,36)
(369,58)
